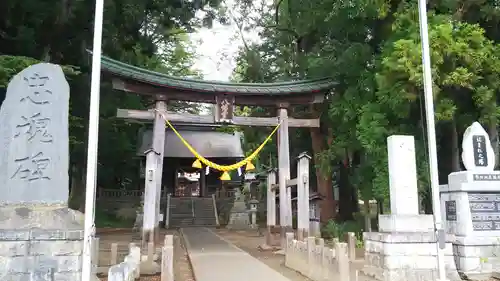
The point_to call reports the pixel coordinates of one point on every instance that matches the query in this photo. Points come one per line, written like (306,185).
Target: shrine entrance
(162,88)
(188,184)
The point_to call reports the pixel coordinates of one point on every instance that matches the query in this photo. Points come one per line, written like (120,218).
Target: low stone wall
(316,261)
(406,256)
(128,270)
(45,254)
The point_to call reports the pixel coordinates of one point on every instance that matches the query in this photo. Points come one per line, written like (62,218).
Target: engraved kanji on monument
(477,152)
(34,144)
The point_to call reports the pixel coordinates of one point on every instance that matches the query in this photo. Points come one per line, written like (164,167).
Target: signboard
(486,177)
(451,210)
(485,211)
(224,109)
(479,150)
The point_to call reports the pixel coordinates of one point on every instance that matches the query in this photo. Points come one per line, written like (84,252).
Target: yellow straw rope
(222,168)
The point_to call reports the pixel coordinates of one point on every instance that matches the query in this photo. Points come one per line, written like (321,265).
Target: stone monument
(404,249)
(238,216)
(470,204)
(40,237)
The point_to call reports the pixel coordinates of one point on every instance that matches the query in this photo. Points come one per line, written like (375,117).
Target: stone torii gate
(163,88)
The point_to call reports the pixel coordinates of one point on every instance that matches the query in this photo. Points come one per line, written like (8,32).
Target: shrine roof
(210,144)
(134,73)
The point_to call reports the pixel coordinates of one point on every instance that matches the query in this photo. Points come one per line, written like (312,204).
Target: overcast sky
(216,51)
(217,48)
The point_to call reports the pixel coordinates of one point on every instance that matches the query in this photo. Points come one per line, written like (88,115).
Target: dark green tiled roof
(131,72)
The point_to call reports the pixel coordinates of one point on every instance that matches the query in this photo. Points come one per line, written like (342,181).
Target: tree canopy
(152,34)
(372,49)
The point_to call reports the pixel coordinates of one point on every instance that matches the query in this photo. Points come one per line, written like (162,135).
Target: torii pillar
(153,176)
(285,195)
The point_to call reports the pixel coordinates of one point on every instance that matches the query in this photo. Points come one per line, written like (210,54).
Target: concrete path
(214,259)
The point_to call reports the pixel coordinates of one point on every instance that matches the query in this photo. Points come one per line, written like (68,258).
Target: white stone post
(159,147)
(167,259)
(284,175)
(95,254)
(148,217)
(402,175)
(403,189)
(271,206)
(303,195)
(153,177)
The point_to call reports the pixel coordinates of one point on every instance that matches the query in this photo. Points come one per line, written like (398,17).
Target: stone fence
(315,260)
(134,262)
(129,269)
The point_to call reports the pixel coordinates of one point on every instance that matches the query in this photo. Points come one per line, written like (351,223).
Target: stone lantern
(253,212)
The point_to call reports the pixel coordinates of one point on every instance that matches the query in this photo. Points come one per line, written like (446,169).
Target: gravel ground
(182,267)
(249,241)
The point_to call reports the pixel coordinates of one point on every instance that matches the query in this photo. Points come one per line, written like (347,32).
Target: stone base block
(477,257)
(40,216)
(409,274)
(406,223)
(38,240)
(405,257)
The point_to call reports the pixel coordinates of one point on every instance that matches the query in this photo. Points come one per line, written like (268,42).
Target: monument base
(405,223)
(470,208)
(41,242)
(405,256)
(477,257)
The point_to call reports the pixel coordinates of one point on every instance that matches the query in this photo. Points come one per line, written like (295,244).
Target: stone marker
(477,152)
(470,206)
(34,143)
(39,234)
(238,217)
(404,248)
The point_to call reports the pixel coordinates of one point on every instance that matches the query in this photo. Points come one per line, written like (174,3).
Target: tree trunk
(328,206)
(76,200)
(324,182)
(368,220)
(455,150)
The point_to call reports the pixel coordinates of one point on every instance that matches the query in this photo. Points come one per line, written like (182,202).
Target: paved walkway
(214,259)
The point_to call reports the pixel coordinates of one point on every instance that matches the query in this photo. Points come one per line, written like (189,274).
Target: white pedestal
(405,256)
(470,205)
(405,248)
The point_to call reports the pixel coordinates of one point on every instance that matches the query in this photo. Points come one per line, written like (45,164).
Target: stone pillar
(404,249)
(303,196)
(271,206)
(154,172)
(285,195)
(470,205)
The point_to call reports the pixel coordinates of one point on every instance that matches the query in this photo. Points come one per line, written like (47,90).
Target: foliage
(338,230)
(149,34)
(372,49)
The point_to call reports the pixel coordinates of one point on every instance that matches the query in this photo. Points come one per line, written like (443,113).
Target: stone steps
(183,209)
